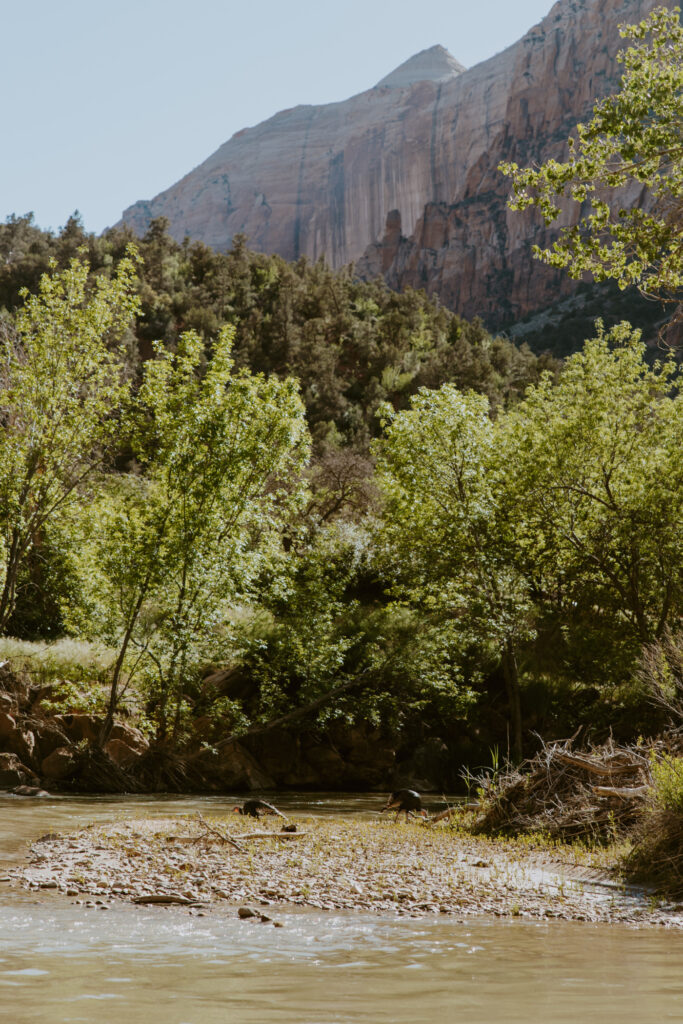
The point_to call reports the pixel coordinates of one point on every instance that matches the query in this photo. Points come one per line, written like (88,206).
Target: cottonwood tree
(439,470)
(174,548)
(635,138)
(61,388)
(596,479)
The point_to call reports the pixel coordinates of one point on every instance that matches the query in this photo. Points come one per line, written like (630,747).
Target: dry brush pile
(568,794)
(598,795)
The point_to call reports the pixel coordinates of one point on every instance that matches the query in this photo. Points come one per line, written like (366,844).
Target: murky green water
(140,965)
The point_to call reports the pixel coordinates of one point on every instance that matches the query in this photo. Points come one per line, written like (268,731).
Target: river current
(64,964)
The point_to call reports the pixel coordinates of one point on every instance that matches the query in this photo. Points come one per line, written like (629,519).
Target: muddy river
(61,963)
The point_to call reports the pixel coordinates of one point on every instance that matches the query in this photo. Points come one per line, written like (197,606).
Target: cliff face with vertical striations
(316,180)
(403,178)
(469,249)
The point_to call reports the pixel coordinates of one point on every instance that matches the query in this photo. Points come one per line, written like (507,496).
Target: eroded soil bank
(205,865)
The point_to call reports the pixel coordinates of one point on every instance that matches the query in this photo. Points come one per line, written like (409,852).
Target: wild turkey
(254,809)
(405,800)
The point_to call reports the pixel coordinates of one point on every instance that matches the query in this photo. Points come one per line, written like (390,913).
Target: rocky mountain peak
(404,181)
(435,64)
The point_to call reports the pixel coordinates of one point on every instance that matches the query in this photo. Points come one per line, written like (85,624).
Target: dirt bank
(331,864)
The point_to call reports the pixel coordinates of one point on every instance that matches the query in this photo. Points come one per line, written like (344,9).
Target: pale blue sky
(107,103)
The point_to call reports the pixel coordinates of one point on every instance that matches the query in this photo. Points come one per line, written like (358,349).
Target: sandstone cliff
(470,250)
(316,180)
(403,178)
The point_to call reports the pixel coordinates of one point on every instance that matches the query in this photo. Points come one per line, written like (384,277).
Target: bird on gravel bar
(405,800)
(254,809)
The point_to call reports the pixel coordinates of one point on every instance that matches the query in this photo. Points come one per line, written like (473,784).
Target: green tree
(597,483)
(325,645)
(174,549)
(634,141)
(444,527)
(299,654)
(61,387)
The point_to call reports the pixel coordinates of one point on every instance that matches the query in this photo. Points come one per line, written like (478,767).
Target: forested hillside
(351,344)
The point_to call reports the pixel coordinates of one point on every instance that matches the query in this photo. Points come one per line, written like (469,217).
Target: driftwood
(567,794)
(219,835)
(273,835)
(450,811)
(606,769)
(625,793)
(163,898)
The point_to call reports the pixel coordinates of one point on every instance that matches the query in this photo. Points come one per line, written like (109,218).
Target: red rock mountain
(403,179)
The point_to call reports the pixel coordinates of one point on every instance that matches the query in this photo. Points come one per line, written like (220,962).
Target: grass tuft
(657,853)
(75,660)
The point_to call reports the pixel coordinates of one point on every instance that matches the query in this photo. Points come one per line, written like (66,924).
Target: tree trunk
(9,591)
(108,723)
(514,699)
(105,731)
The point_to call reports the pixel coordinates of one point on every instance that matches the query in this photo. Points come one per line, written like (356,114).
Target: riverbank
(48,740)
(212,865)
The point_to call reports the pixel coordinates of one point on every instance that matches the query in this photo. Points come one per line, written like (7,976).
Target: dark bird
(255,808)
(405,800)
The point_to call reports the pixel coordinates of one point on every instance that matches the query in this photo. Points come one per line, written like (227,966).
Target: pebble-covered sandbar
(203,865)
